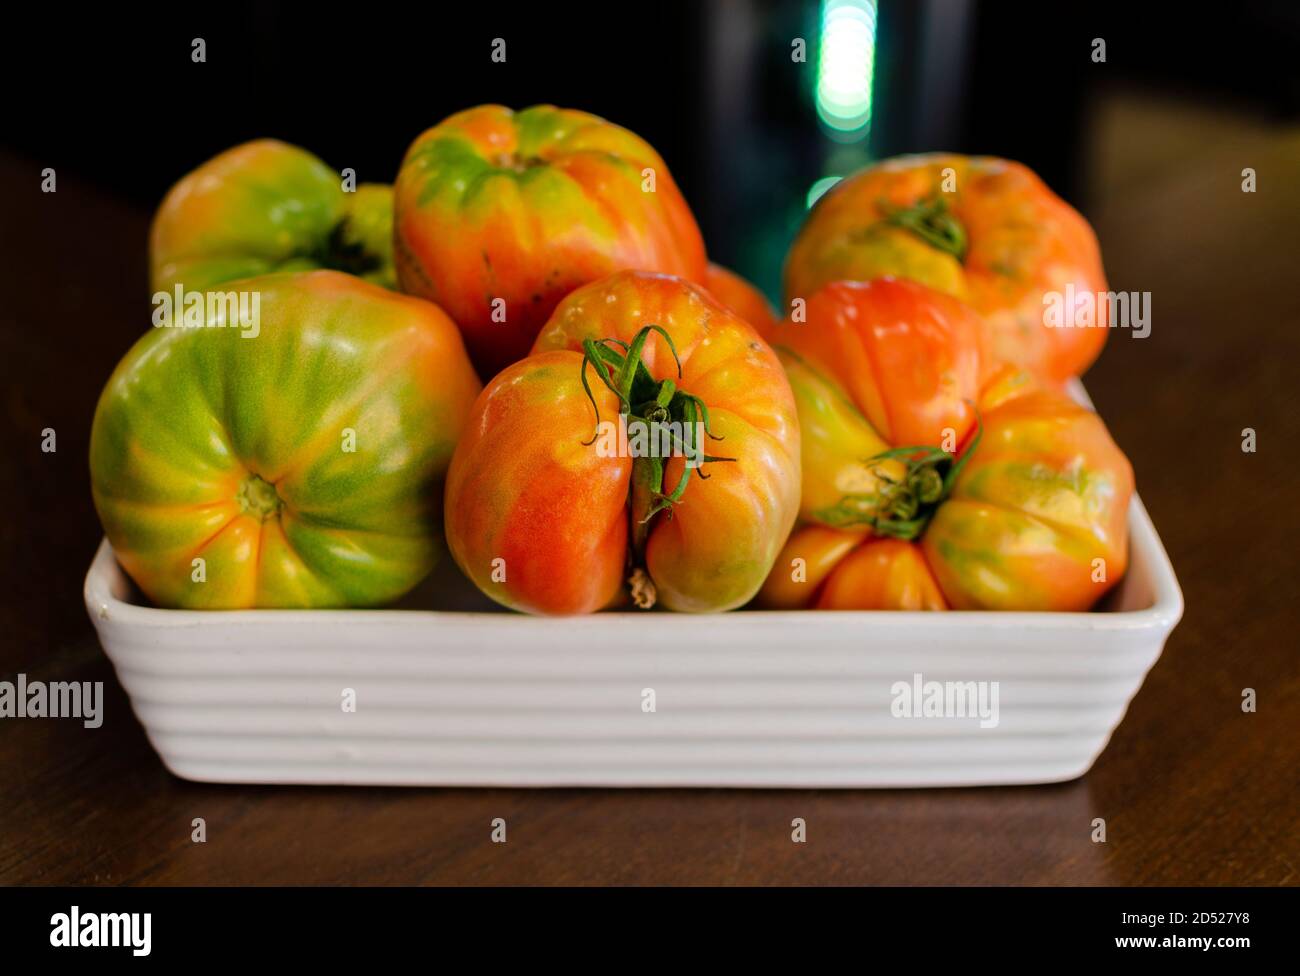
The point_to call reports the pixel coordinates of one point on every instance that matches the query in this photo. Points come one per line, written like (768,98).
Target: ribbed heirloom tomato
(500,214)
(295,464)
(933,479)
(548,510)
(985,230)
(268,206)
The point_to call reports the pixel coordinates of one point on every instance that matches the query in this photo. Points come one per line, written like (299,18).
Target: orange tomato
(882,573)
(985,230)
(499,214)
(555,506)
(933,479)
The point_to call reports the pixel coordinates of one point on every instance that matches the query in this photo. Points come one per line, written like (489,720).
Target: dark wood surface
(1192,789)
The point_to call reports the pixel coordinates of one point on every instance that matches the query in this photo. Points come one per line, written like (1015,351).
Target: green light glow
(846,65)
(821,186)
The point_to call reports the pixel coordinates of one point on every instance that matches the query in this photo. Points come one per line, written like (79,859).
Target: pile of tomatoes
(521,351)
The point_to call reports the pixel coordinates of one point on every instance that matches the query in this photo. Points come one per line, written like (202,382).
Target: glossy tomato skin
(876,365)
(535,517)
(882,573)
(835,569)
(267,206)
(1042,496)
(1021,243)
(1038,519)
(808,557)
(302,461)
(523,207)
(716,550)
(529,485)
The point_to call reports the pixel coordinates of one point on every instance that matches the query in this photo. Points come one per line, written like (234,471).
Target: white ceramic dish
(753,698)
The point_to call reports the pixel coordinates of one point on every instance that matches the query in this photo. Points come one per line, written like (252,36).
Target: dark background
(113,96)
(1150,146)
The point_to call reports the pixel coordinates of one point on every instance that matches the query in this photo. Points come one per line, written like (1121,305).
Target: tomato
(808,558)
(882,573)
(985,230)
(737,294)
(548,511)
(1038,520)
(295,464)
(500,214)
(932,479)
(267,206)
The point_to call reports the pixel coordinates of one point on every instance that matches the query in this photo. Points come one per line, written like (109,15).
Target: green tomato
(291,457)
(267,206)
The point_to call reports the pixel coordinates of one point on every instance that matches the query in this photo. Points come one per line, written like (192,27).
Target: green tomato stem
(932,221)
(903,507)
(661,408)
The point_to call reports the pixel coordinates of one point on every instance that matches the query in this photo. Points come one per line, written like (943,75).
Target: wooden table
(1192,789)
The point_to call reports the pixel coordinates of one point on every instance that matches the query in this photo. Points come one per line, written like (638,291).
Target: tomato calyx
(660,421)
(343,252)
(656,414)
(931,220)
(904,505)
(258,498)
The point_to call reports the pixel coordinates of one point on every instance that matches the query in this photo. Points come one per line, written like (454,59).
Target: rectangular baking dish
(468,695)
